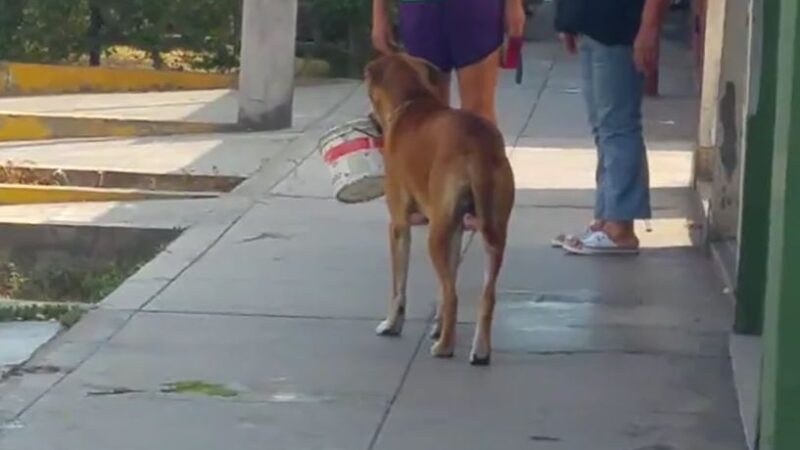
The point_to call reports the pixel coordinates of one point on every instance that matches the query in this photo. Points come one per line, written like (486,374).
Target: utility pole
(267,64)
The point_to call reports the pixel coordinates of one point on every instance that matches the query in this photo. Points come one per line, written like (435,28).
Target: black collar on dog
(398,110)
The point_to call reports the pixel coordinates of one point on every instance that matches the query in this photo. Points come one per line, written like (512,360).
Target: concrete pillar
(712,42)
(266,78)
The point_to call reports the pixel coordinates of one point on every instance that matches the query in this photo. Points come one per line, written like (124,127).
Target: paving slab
(120,422)
(559,119)
(213,106)
(543,169)
(541,285)
(221,154)
(565,402)
(540,179)
(282,398)
(209,106)
(280,243)
(164,214)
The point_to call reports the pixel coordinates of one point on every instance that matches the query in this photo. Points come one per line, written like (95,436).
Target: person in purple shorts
(461,36)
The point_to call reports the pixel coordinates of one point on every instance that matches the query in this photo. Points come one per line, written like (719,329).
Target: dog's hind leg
(441,243)
(493,193)
(493,226)
(400,244)
(482,341)
(454,259)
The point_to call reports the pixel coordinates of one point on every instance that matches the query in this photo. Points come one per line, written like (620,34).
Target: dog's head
(397,78)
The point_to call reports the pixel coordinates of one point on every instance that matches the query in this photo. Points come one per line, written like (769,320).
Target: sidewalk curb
(31,127)
(20,194)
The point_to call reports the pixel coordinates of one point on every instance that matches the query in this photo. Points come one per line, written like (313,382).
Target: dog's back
(461,155)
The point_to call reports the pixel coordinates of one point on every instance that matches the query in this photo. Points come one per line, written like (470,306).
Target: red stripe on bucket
(346,148)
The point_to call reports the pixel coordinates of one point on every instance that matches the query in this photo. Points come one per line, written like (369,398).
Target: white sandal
(561,239)
(597,243)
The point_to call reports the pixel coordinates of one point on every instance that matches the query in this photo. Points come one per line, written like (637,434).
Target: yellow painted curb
(27,127)
(38,79)
(17,194)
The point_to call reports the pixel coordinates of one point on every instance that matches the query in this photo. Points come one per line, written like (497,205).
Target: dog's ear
(434,74)
(429,72)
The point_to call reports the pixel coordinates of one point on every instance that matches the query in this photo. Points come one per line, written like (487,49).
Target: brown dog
(443,163)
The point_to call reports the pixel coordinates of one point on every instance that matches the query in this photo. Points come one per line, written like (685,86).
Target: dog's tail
(481,185)
(492,194)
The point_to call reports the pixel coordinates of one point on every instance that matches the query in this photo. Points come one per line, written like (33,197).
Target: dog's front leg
(400,244)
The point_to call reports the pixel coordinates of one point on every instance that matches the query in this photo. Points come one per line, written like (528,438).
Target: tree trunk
(158,60)
(93,34)
(357,49)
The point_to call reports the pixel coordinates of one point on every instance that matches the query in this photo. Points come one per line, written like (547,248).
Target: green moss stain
(197,387)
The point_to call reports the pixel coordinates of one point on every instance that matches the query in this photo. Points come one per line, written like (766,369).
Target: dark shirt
(612,22)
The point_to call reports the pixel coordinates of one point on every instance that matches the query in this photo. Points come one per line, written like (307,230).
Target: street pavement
(266,306)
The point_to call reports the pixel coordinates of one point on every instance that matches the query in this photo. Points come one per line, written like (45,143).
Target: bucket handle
(368,133)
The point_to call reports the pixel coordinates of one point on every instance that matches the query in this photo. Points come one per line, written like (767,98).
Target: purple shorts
(452,34)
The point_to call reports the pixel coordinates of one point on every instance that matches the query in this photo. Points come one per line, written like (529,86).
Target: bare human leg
(477,86)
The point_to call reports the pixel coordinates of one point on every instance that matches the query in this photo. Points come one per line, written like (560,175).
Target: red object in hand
(512,53)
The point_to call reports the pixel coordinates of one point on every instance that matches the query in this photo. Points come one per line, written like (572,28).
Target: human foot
(561,239)
(615,238)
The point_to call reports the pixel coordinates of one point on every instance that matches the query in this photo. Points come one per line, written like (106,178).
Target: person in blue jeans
(617,42)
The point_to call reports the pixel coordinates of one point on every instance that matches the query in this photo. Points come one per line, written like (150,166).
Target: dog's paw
(480,354)
(435,332)
(390,328)
(440,350)
(477,360)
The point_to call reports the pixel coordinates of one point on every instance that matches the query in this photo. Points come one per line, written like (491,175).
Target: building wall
(731,113)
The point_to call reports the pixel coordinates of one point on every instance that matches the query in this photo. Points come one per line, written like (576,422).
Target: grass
(11,174)
(63,284)
(54,275)
(124,57)
(67,315)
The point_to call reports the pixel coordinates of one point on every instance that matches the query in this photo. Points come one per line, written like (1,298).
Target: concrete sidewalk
(275,297)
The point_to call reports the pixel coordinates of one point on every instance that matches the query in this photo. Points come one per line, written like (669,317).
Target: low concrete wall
(38,79)
(41,246)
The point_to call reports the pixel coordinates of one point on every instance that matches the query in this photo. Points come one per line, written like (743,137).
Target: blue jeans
(613,90)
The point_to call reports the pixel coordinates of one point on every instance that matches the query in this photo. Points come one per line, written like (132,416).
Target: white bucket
(352,154)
